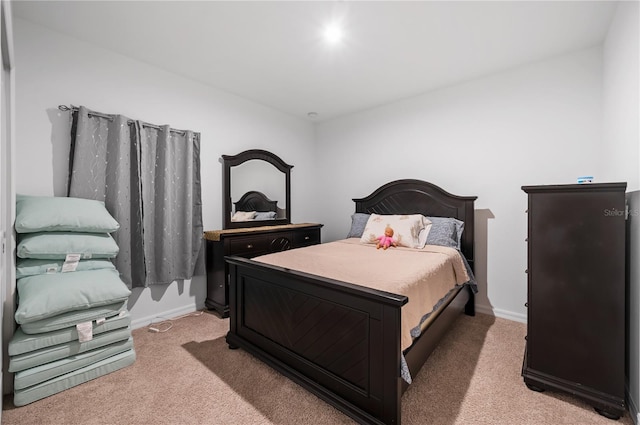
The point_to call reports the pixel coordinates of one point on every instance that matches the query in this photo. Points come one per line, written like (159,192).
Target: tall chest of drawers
(248,242)
(576,308)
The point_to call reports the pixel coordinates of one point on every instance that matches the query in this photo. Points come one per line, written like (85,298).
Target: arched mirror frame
(229,161)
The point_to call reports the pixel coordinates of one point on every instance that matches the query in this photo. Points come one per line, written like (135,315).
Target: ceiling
(273,52)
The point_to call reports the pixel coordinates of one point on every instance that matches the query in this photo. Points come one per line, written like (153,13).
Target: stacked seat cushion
(57,245)
(22,342)
(29,267)
(61,214)
(72,318)
(66,281)
(71,379)
(48,295)
(57,352)
(38,374)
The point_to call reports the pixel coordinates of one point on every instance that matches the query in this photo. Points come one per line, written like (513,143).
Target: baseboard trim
(165,315)
(503,314)
(632,406)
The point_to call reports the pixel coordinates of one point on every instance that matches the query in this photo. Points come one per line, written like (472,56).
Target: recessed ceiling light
(333,34)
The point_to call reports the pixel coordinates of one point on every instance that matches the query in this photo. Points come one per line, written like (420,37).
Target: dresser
(248,242)
(576,308)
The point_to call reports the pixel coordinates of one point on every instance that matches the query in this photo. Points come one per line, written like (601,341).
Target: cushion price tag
(85,331)
(70,263)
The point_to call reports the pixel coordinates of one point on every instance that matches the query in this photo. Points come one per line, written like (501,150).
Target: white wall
(621,89)
(54,69)
(621,157)
(537,124)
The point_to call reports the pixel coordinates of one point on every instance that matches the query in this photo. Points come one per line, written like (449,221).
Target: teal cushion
(72,318)
(47,295)
(30,267)
(25,379)
(22,343)
(61,214)
(51,354)
(71,379)
(56,245)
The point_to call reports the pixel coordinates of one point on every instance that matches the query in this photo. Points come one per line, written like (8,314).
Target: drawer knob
(249,246)
(526,304)
(526,271)
(306,238)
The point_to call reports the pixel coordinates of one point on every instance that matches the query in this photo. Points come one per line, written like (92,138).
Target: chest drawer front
(247,246)
(306,237)
(576,297)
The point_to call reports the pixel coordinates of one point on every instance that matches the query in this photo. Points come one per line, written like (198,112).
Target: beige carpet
(189,376)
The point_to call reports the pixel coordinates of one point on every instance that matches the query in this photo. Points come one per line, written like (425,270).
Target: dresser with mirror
(256,219)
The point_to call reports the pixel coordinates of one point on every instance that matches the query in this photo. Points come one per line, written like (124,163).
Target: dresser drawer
(248,246)
(279,242)
(306,237)
(248,243)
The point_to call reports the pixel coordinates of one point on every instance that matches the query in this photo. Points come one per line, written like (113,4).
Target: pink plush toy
(386,240)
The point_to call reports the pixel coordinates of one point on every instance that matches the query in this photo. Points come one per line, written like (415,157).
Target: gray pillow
(265,215)
(358,223)
(445,231)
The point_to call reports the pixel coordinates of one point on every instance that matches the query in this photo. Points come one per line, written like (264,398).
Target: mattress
(39,374)
(72,379)
(23,343)
(57,352)
(429,317)
(72,318)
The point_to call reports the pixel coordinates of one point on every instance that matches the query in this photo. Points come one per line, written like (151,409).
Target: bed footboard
(337,340)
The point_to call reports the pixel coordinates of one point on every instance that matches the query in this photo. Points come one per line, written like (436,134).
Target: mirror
(256,190)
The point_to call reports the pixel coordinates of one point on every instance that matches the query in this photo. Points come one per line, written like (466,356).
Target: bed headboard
(420,197)
(255,201)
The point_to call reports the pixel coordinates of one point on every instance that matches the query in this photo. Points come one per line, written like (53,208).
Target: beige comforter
(424,276)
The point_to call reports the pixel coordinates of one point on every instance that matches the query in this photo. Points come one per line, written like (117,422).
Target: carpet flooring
(188,375)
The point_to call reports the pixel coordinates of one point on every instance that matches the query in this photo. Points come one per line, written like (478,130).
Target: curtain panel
(149,179)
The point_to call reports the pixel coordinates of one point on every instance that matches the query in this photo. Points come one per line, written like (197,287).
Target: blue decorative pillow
(358,223)
(265,215)
(445,231)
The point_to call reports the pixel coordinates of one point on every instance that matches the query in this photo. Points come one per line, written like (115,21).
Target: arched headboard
(419,197)
(255,201)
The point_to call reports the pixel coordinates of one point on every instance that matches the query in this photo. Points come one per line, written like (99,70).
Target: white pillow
(408,230)
(243,215)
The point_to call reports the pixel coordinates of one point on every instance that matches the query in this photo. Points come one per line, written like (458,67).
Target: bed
(255,205)
(357,368)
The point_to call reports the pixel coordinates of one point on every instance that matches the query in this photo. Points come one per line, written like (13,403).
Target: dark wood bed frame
(338,340)
(255,201)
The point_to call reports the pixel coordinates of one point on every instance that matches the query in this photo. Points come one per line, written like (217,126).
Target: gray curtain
(149,179)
